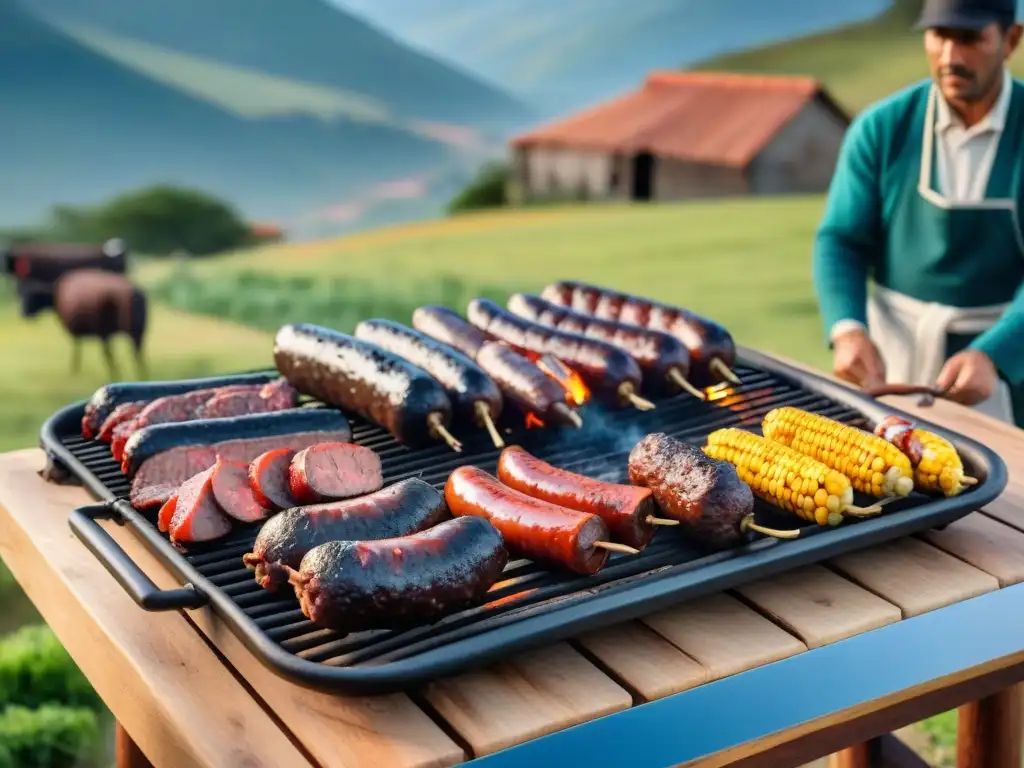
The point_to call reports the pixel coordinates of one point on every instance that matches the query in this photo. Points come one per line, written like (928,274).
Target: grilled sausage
(448,327)
(332,471)
(268,476)
(527,386)
(398,510)
(469,388)
(706,496)
(351,586)
(107,398)
(150,441)
(197,517)
(531,528)
(609,372)
(124,413)
(664,359)
(900,433)
(626,509)
(229,481)
(707,340)
(353,374)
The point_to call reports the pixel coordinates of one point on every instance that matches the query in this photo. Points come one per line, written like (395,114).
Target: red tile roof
(710,117)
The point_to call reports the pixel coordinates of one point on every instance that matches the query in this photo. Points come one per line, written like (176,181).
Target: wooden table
(778,673)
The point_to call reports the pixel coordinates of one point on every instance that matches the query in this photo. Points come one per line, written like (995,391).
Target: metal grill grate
(599,450)
(522,607)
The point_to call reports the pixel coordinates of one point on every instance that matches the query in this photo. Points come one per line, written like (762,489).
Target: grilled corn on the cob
(873,465)
(786,478)
(937,465)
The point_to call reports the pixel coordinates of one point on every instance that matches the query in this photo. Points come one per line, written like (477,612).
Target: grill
(531,605)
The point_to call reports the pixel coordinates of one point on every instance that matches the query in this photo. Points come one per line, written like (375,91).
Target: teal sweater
(878,166)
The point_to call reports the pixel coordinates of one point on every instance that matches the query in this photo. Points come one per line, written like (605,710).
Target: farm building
(687,135)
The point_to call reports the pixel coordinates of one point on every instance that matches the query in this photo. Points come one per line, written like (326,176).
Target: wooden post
(990,731)
(126,752)
(859,756)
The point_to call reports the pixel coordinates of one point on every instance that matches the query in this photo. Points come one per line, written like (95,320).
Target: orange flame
(718,392)
(576,390)
(533,421)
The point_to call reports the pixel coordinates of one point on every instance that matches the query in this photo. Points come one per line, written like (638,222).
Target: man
(925,200)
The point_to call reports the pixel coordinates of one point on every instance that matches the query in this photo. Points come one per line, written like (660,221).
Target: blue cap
(966,14)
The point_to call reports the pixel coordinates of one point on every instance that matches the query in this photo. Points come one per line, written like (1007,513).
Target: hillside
(859,64)
(567,53)
(305,40)
(78,127)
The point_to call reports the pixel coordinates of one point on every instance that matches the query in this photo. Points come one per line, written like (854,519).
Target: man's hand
(856,359)
(968,377)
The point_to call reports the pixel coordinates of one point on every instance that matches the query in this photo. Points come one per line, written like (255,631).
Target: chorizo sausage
(379,385)
(532,528)
(352,586)
(611,374)
(526,385)
(712,349)
(627,510)
(664,359)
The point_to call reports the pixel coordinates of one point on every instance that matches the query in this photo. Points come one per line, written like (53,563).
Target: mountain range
(326,115)
(563,54)
(293,111)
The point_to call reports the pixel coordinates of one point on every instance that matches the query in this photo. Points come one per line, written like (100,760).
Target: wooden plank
(179,702)
(533,694)
(914,575)
(643,661)
(819,606)
(338,731)
(724,635)
(985,543)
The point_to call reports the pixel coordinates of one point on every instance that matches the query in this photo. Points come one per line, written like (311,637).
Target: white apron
(911,334)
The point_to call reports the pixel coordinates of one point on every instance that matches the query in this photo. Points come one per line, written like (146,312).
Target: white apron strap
(911,336)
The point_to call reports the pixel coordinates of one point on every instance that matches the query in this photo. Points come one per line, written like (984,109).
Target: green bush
(47,737)
(157,220)
(36,670)
(489,189)
(268,301)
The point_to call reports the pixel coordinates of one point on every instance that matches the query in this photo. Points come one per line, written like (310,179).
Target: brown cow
(42,262)
(92,303)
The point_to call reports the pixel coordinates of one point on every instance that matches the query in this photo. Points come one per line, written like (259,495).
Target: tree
(489,189)
(158,220)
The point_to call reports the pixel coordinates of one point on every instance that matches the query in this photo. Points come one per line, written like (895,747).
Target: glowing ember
(718,392)
(533,422)
(576,391)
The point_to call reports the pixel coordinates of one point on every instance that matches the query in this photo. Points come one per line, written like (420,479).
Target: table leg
(990,731)
(884,752)
(126,752)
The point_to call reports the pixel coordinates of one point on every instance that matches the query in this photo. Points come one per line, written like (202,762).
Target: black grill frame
(562,606)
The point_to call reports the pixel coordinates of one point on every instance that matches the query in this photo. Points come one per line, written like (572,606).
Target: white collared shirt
(964,159)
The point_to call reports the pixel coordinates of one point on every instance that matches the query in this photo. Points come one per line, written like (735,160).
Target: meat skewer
(787,479)
(665,360)
(379,385)
(535,529)
(447,326)
(352,586)
(526,385)
(938,467)
(473,394)
(712,349)
(400,509)
(610,373)
(714,506)
(521,381)
(629,511)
